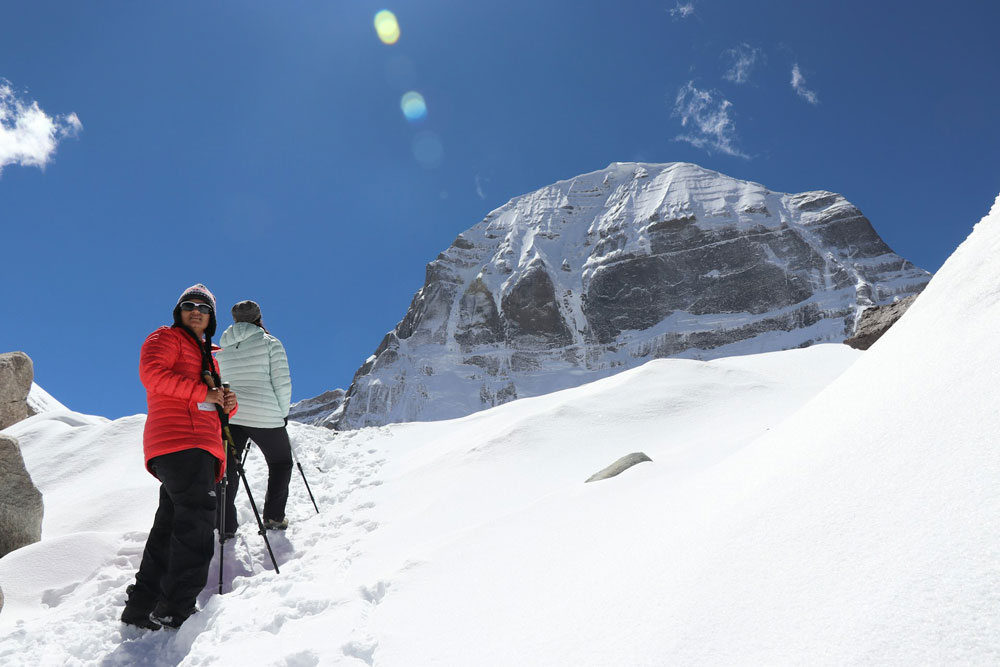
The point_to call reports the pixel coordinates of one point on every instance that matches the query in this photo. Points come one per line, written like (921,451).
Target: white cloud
(799,84)
(706,117)
(480,182)
(29,136)
(743,58)
(682,11)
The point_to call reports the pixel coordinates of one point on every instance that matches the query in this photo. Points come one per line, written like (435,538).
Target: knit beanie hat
(246,311)
(197,291)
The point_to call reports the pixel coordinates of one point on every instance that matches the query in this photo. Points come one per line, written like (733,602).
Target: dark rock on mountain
(876,320)
(315,410)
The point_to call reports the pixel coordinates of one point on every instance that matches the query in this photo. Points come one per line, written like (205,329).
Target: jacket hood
(239,332)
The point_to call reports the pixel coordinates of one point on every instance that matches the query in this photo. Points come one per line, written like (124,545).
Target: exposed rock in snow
(20,500)
(876,320)
(600,273)
(619,466)
(16,374)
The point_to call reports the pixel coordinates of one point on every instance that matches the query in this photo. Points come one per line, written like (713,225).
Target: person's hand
(216,396)
(229,400)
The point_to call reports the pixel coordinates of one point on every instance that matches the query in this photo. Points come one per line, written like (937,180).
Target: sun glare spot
(414,107)
(387,27)
(428,150)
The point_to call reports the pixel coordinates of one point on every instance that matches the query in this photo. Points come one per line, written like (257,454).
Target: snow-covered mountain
(605,271)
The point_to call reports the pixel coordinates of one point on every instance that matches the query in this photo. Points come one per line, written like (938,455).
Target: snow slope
(787,518)
(444,479)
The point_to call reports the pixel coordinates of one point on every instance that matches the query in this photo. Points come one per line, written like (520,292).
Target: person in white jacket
(256,366)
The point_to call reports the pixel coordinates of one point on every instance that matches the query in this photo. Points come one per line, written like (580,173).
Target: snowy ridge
(602,272)
(40,400)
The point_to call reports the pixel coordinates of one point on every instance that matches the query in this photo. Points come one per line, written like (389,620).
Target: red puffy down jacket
(170,370)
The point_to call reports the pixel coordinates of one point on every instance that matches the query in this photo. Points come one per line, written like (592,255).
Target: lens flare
(414,107)
(387,27)
(428,150)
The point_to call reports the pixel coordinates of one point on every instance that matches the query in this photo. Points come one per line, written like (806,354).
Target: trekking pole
(222,525)
(301,472)
(296,459)
(206,376)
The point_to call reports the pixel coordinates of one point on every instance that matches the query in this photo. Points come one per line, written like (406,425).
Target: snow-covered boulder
(20,501)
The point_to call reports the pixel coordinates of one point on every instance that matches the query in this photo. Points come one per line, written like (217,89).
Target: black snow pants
(277,451)
(179,549)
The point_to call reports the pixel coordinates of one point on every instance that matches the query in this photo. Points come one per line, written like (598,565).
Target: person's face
(196,320)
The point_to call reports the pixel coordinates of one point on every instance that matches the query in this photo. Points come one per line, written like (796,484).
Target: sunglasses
(188,306)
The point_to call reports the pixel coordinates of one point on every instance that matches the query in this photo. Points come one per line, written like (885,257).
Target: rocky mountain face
(322,410)
(602,272)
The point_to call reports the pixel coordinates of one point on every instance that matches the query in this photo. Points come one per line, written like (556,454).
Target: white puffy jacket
(254,363)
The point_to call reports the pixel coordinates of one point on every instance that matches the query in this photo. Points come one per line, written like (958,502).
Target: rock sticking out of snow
(619,466)
(16,374)
(21,507)
(876,320)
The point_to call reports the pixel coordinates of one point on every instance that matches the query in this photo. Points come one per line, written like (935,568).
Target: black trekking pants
(277,451)
(181,542)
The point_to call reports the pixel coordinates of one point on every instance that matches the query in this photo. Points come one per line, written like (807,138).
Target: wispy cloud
(682,11)
(29,136)
(743,58)
(480,190)
(799,84)
(706,116)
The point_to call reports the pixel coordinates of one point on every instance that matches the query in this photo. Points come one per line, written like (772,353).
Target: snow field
(442,480)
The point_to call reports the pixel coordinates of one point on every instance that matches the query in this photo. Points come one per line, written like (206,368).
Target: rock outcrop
(319,410)
(16,375)
(619,466)
(600,273)
(20,501)
(875,321)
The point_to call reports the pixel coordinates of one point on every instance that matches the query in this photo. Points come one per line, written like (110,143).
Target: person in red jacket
(183,448)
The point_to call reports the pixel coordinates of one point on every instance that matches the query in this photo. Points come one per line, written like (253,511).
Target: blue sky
(260,147)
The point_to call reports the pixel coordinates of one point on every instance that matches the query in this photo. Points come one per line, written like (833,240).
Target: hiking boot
(168,618)
(137,609)
(138,618)
(274,524)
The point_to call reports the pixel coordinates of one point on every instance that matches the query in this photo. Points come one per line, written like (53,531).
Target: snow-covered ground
(794,513)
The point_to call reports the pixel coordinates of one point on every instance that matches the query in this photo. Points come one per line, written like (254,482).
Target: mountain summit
(602,272)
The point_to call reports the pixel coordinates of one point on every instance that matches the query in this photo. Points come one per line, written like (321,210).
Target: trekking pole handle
(206,377)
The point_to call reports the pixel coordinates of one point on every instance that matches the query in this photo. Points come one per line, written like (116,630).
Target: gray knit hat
(197,291)
(246,311)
